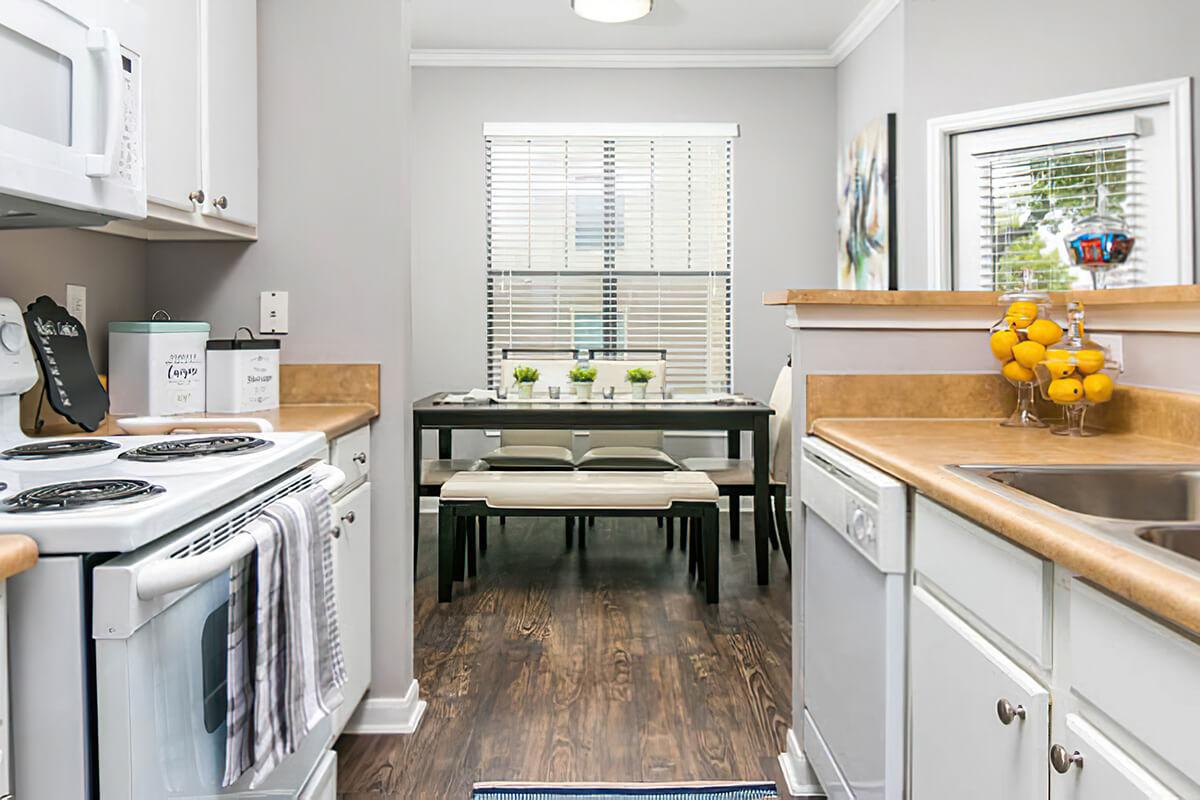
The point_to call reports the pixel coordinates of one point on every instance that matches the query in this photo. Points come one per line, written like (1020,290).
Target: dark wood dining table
(733,417)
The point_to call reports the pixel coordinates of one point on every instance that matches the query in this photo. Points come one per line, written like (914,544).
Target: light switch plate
(273,312)
(77,303)
(1112,341)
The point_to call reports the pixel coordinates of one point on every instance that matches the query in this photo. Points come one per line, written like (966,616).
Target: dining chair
(735,477)
(554,364)
(627,450)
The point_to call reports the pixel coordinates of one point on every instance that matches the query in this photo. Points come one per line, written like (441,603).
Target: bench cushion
(626,458)
(581,490)
(530,456)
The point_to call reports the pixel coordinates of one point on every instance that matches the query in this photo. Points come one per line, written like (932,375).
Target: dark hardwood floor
(597,665)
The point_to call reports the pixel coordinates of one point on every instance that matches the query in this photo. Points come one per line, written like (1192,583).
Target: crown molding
(863,26)
(855,33)
(625,59)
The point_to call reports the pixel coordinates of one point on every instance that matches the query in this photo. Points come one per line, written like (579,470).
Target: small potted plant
(583,378)
(525,378)
(638,377)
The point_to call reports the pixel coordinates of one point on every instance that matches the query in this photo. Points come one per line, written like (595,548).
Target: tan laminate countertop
(1189,293)
(917,450)
(17,554)
(331,419)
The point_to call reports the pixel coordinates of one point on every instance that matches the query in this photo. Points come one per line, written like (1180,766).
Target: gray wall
(783,193)
(112,268)
(870,81)
(966,55)
(333,117)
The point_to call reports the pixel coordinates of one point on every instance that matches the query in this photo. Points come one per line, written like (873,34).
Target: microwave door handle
(104,41)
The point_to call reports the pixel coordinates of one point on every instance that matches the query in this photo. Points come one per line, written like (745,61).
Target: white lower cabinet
(1099,770)
(960,747)
(352,575)
(323,783)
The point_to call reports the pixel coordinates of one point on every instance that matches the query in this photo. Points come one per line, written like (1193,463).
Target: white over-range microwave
(71,122)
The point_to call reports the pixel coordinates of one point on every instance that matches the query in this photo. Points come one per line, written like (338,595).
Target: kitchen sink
(1149,493)
(1182,539)
(1118,501)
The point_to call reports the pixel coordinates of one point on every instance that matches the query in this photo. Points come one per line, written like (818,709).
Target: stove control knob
(12,337)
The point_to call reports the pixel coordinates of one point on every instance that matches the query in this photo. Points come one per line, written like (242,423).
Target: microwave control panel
(131,156)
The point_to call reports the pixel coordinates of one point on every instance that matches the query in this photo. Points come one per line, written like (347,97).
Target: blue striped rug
(709,790)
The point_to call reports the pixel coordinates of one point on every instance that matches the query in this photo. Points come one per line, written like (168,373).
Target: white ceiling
(672,25)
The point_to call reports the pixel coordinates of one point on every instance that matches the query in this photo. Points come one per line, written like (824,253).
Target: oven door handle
(173,574)
(161,426)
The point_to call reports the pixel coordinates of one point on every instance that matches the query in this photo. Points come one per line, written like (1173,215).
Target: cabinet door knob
(1061,760)
(348,517)
(359,458)
(221,202)
(1007,712)
(197,197)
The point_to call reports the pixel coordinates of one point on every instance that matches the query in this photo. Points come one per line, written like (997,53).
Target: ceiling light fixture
(612,10)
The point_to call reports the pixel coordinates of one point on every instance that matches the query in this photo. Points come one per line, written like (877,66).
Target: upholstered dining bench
(687,495)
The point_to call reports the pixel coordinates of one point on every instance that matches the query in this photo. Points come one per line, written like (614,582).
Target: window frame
(940,133)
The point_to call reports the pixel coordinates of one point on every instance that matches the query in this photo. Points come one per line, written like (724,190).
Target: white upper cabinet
(231,106)
(201,112)
(173,134)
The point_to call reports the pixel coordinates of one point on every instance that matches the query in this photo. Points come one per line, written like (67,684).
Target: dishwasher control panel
(862,524)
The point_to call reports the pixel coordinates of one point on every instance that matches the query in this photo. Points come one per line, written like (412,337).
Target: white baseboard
(388,715)
(797,772)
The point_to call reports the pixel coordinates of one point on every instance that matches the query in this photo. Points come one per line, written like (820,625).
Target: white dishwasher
(855,597)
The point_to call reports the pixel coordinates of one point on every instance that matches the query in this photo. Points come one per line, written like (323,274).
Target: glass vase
(1025,414)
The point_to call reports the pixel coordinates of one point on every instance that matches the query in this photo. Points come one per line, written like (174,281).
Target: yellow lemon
(1002,344)
(1098,388)
(1065,391)
(1029,354)
(1016,373)
(1022,308)
(1057,355)
(1058,369)
(1044,331)
(1089,361)
(1020,321)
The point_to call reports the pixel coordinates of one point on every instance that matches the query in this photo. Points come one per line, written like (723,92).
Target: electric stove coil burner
(80,494)
(174,449)
(36,451)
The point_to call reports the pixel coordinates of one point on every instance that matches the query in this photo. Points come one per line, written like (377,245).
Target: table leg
(762,496)
(734,452)
(445,443)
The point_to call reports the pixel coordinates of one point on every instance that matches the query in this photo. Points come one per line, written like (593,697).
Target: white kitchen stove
(118,634)
(108,500)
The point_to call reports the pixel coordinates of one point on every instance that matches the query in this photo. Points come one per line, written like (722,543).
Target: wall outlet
(77,303)
(273,312)
(1112,341)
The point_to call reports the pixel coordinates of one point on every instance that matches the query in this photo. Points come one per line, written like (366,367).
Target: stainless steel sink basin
(1182,539)
(1119,501)
(1151,493)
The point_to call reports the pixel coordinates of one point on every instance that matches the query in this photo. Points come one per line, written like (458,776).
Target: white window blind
(612,241)
(1031,198)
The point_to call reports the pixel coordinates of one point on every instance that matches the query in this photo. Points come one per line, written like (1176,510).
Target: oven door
(70,115)
(161,708)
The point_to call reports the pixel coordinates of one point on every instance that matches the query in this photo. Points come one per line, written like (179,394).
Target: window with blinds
(612,238)
(1018,191)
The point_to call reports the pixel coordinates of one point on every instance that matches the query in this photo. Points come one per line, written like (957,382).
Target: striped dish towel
(285,662)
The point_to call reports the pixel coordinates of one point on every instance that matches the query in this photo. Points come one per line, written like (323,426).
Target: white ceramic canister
(243,374)
(156,367)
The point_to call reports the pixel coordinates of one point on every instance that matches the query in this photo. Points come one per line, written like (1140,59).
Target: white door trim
(1177,93)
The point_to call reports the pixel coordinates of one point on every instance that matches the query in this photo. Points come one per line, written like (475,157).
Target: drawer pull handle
(1007,712)
(1061,760)
(336,532)
(221,202)
(348,517)
(360,458)
(197,197)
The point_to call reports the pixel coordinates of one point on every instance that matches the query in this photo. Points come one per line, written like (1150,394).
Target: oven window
(213,646)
